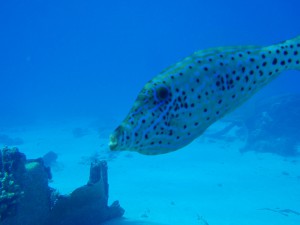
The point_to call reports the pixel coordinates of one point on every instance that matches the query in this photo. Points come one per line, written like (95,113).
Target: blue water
(85,58)
(89,59)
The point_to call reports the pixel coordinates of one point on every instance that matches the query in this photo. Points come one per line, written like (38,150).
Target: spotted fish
(181,102)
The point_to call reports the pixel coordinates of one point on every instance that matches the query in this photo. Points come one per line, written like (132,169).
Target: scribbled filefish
(181,102)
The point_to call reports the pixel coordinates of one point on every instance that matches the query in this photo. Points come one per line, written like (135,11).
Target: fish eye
(162,93)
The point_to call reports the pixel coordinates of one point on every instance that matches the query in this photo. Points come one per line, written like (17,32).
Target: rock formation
(26,198)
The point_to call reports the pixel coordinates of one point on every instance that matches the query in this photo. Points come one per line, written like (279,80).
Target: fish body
(181,102)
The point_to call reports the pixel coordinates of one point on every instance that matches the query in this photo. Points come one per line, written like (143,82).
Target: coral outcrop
(87,204)
(26,198)
(271,125)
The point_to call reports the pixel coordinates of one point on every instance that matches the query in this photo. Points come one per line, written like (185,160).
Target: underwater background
(70,71)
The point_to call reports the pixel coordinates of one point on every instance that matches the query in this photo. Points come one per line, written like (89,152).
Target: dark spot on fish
(237,78)
(274,61)
(220,101)
(277,51)
(180,74)
(261,73)
(218,83)
(196,124)
(282,63)
(143,121)
(264,64)
(233,96)
(263,56)
(146,136)
(251,72)
(205,110)
(246,78)
(205,69)
(270,73)
(243,69)
(285,53)
(197,80)
(296,53)
(289,60)
(252,60)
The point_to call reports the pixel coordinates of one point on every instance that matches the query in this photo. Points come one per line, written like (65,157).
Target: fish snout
(116,138)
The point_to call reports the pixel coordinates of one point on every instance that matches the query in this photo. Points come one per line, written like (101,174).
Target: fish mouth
(113,142)
(115,138)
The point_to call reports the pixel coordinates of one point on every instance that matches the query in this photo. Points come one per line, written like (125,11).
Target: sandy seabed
(208,182)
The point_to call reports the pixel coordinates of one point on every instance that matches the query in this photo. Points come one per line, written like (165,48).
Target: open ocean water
(71,70)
